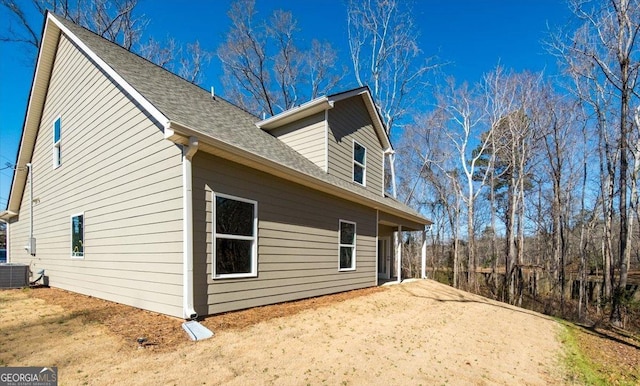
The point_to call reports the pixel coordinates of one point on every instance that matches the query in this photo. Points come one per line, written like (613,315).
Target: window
(359,163)
(347,245)
(57,154)
(235,227)
(77,235)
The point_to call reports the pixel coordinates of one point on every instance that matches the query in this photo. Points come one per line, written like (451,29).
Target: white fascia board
(32,118)
(148,106)
(348,94)
(7,215)
(304,110)
(377,122)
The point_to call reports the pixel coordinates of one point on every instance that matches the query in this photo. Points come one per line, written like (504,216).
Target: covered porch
(392,231)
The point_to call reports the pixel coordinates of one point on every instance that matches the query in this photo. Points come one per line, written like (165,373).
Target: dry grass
(421,332)
(163,332)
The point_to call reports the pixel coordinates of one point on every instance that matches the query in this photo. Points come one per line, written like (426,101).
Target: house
(135,186)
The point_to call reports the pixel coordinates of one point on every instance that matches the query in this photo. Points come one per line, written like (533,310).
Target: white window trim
(56,148)
(354,163)
(254,247)
(76,257)
(340,245)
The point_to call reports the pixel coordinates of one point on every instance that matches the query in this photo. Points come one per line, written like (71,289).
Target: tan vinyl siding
(307,137)
(349,120)
(119,171)
(297,239)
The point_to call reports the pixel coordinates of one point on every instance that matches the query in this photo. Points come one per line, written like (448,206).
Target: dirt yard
(415,333)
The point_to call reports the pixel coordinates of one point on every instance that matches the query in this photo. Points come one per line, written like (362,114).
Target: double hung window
(235,237)
(359,163)
(347,234)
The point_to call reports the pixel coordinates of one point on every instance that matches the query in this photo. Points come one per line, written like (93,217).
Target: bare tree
(112,19)
(383,42)
(554,118)
(320,61)
(604,50)
(433,184)
(466,115)
(161,53)
(116,21)
(193,61)
(265,70)
(458,135)
(512,116)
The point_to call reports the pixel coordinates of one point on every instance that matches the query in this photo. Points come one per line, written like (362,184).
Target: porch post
(424,254)
(398,242)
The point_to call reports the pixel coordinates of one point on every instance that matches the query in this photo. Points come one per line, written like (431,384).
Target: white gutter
(304,110)
(423,252)
(398,246)
(188,152)
(176,132)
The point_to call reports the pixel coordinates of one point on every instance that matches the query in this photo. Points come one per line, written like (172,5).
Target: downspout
(423,253)
(398,242)
(32,242)
(188,151)
(392,157)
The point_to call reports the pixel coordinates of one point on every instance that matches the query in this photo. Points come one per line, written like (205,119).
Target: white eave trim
(150,108)
(6,215)
(304,110)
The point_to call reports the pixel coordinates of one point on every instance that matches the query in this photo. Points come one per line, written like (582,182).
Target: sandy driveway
(415,333)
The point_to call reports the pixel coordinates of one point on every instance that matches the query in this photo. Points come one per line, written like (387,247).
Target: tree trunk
(625,93)
(471,263)
(583,237)
(607,175)
(510,254)
(494,249)
(456,244)
(520,254)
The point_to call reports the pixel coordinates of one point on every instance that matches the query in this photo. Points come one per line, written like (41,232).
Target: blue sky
(472,35)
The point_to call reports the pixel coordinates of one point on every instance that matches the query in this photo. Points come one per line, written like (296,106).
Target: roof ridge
(66,21)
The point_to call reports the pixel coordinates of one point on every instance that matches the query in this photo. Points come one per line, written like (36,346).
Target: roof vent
(213,93)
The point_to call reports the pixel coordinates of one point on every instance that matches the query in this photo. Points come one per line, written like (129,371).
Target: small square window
(347,236)
(359,163)
(77,235)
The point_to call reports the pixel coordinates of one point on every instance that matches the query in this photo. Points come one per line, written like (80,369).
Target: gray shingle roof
(192,106)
